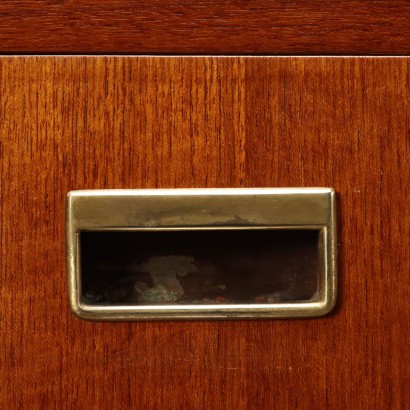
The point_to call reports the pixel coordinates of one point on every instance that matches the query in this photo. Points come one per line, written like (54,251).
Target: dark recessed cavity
(199,267)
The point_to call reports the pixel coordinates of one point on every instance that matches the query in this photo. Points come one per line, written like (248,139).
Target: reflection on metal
(199,210)
(164,271)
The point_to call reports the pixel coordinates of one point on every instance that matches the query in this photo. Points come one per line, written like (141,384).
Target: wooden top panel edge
(206,27)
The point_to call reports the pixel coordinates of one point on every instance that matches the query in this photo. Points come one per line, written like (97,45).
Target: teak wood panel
(206,26)
(127,122)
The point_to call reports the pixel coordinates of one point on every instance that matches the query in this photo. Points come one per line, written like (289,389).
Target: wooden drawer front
(148,122)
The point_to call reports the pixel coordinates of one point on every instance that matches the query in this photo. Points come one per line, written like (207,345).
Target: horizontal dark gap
(199,267)
(40,53)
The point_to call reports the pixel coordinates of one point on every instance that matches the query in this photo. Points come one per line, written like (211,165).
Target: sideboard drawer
(78,122)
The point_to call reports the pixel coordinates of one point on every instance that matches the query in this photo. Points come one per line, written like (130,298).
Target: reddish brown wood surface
(73,123)
(207,26)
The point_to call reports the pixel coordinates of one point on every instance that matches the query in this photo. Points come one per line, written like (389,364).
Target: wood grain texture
(206,26)
(110,122)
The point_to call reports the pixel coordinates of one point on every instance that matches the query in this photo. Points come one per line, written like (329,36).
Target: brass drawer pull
(201,253)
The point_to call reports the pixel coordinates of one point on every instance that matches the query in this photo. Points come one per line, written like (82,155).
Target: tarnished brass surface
(203,209)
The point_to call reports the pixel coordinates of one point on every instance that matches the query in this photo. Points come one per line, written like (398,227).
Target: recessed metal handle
(201,253)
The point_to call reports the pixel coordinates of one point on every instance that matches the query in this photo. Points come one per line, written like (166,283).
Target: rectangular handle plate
(171,254)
